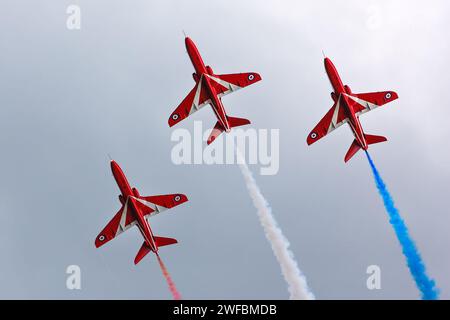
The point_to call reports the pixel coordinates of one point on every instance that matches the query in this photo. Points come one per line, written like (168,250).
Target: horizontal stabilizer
(352,151)
(237,122)
(218,128)
(216,131)
(371,139)
(143,251)
(161,241)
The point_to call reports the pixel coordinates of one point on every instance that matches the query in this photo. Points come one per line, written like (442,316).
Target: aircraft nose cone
(188,42)
(113,164)
(115,168)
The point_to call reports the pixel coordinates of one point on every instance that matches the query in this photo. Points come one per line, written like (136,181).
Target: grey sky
(68,98)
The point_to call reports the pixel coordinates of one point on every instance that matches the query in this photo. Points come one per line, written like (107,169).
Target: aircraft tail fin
(216,131)
(143,251)
(371,139)
(218,128)
(352,151)
(237,122)
(162,241)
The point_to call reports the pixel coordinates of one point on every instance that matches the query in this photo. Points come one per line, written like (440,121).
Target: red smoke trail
(176,295)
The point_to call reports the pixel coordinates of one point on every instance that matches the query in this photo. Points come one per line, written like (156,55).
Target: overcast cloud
(68,98)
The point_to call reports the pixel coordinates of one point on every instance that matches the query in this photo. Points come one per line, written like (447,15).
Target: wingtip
(173,119)
(309,140)
(183,198)
(178,199)
(395,94)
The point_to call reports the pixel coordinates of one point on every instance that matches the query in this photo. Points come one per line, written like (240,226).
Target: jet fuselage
(340,95)
(129,198)
(202,74)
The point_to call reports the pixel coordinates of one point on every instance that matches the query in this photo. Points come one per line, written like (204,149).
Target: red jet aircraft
(209,89)
(347,108)
(135,209)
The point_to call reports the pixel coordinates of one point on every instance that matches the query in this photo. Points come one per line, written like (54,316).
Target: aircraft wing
(228,83)
(365,102)
(122,221)
(153,205)
(193,102)
(333,119)
(149,206)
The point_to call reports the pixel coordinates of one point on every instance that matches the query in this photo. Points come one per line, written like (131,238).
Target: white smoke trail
(298,288)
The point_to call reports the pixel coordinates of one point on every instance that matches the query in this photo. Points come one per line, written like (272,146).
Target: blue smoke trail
(416,266)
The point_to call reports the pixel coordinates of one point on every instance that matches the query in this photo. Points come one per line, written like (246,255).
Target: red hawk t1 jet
(347,108)
(209,89)
(134,211)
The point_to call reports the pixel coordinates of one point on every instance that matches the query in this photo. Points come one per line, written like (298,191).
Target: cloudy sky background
(68,98)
